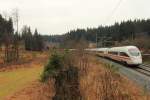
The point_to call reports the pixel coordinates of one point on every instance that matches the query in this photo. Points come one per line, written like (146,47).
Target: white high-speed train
(130,55)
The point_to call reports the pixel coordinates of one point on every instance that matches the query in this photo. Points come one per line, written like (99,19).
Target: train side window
(123,54)
(114,53)
(109,52)
(100,52)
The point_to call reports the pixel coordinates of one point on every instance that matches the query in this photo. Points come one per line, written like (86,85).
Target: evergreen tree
(32,42)
(118,32)
(38,41)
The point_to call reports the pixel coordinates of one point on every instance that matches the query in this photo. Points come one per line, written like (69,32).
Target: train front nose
(137,60)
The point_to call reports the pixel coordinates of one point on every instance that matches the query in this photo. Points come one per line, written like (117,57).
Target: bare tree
(15,17)
(6,15)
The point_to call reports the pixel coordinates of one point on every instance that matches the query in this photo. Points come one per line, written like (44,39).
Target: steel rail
(144,69)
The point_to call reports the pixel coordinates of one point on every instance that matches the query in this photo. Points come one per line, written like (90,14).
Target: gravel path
(140,79)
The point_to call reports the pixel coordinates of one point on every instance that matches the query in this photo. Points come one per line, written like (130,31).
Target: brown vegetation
(142,42)
(95,81)
(26,58)
(35,91)
(98,81)
(103,83)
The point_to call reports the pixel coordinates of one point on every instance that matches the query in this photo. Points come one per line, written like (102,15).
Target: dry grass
(12,81)
(98,82)
(35,91)
(25,59)
(16,76)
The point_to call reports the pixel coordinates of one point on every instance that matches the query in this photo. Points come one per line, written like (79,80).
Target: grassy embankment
(94,80)
(16,77)
(13,81)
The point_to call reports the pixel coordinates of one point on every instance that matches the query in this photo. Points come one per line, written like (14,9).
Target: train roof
(102,49)
(120,49)
(123,48)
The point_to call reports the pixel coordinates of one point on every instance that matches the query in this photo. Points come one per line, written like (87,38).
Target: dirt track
(19,81)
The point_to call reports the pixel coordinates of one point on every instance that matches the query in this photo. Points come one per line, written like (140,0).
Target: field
(12,81)
(96,81)
(16,76)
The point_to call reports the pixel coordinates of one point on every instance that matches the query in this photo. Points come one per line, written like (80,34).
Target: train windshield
(134,52)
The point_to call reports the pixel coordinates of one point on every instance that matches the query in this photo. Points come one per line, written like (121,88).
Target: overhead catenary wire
(107,20)
(113,11)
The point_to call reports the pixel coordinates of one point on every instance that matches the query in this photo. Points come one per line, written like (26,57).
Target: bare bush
(110,86)
(67,85)
(46,92)
(143,42)
(82,77)
(104,83)
(62,69)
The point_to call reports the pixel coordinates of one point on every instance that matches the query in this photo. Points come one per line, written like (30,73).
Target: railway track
(144,69)
(140,74)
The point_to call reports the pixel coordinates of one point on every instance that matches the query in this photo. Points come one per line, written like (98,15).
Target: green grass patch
(13,81)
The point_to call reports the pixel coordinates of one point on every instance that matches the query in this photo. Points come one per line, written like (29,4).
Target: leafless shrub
(83,78)
(67,85)
(46,92)
(83,63)
(143,42)
(102,83)
(63,70)
(110,87)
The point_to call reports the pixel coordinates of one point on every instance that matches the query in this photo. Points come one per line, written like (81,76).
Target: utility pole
(96,41)
(99,39)
(102,41)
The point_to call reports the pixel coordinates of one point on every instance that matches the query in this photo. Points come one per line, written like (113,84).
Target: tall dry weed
(90,80)
(103,83)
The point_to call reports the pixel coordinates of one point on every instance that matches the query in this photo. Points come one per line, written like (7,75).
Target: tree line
(118,31)
(53,38)
(6,29)
(11,40)
(32,42)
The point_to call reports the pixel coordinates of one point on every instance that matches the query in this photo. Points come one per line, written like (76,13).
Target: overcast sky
(60,16)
